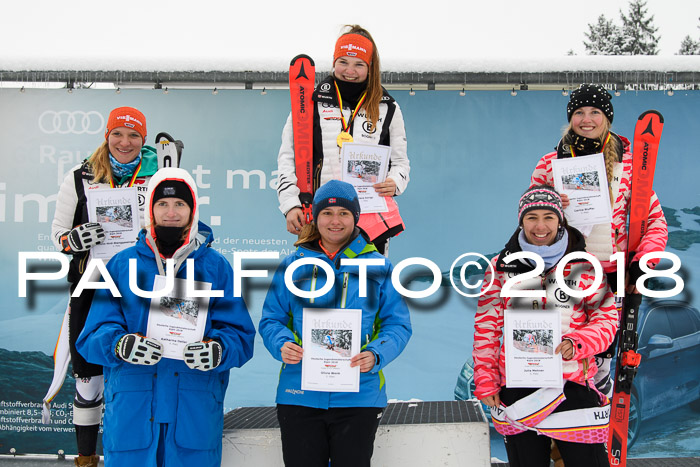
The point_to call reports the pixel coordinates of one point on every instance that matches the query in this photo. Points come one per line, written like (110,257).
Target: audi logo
(64,122)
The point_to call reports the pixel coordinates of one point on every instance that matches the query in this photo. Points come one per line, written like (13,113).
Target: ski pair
(647,133)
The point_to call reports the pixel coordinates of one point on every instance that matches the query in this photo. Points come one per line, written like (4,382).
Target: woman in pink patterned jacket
(576,416)
(590,114)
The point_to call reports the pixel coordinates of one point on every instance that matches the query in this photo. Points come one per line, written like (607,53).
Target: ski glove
(203,355)
(138,349)
(82,238)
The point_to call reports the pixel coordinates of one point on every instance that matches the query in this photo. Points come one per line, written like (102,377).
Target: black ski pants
(310,437)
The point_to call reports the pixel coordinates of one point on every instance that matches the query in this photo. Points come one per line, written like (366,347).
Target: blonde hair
(309,233)
(99,164)
(374,81)
(610,154)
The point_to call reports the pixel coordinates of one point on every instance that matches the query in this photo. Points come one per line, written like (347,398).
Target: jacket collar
(325,93)
(522,265)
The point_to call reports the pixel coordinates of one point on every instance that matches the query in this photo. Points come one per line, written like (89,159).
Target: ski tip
(163,134)
(656,112)
(300,56)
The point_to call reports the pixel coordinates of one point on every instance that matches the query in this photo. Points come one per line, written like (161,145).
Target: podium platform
(449,433)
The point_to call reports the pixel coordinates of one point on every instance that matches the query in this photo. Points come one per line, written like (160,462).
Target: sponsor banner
(471,159)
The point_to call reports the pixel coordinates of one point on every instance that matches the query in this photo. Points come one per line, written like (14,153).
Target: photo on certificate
(530,337)
(364,165)
(331,337)
(367,171)
(176,319)
(583,179)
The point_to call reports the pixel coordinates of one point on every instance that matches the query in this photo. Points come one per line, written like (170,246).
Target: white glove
(203,355)
(82,238)
(138,349)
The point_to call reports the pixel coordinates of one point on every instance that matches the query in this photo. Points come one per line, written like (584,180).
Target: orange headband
(353,45)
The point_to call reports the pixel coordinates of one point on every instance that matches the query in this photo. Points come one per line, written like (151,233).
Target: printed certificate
(175,319)
(363,165)
(584,181)
(117,210)
(331,338)
(530,337)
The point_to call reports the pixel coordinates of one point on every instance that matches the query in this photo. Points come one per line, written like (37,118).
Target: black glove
(204,355)
(82,238)
(138,349)
(635,272)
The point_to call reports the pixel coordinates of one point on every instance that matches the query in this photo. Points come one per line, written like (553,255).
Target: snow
(445,35)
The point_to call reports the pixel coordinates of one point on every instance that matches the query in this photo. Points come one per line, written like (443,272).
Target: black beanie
(174,189)
(590,95)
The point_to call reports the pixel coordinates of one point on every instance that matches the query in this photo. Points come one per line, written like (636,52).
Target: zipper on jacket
(344,295)
(314,276)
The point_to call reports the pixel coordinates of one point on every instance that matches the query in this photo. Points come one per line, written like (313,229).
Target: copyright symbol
(462,274)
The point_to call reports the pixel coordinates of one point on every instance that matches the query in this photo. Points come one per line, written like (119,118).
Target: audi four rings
(77,122)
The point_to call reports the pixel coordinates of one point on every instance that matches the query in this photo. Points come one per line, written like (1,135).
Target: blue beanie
(337,193)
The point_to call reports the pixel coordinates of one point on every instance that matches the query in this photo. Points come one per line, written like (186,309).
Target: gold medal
(344,137)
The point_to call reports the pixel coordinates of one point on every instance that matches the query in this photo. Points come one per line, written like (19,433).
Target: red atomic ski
(647,133)
(302,75)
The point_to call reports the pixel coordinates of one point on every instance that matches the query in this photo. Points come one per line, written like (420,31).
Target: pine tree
(689,47)
(605,38)
(639,31)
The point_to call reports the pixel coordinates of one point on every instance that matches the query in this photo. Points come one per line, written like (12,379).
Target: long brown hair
(99,164)
(374,82)
(610,152)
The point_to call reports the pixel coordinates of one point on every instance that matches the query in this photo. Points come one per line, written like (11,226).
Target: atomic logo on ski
(302,72)
(650,129)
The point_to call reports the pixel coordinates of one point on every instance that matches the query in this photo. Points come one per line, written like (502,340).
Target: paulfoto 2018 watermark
(458,269)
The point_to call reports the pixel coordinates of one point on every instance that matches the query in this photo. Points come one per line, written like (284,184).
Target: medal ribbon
(346,125)
(112,184)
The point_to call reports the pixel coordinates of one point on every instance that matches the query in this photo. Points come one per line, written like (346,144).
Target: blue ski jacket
(386,325)
(139,397)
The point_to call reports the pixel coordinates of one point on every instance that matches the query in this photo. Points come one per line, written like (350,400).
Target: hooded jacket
(386,325)
(589,322)
(138,397)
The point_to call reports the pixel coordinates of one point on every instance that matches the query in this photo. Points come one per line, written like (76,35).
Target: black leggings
(310,437)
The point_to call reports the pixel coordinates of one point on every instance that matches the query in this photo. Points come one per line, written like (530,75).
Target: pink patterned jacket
(657,234)
(590,322)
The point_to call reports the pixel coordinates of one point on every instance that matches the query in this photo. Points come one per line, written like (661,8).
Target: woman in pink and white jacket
(590,114)
(577,415)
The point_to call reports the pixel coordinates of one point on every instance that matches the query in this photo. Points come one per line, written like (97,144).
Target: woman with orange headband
(350,105)
(122,160)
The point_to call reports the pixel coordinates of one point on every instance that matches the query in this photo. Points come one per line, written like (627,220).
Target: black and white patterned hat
(590,95)
(540,197)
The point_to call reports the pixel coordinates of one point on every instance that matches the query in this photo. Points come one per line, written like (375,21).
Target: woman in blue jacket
(166,411)
(317,426)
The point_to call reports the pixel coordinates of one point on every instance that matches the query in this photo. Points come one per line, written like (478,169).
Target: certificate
(117,210)
(363,165)
(530,337)
(331,338)
(583,179)
(175,319)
